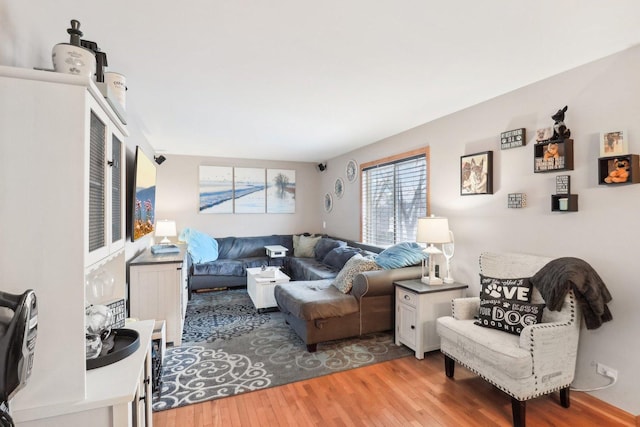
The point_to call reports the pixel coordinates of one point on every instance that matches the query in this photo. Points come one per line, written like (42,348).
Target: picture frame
(338,188)
(614,143)
(281,191)
(476,173)
(352,170)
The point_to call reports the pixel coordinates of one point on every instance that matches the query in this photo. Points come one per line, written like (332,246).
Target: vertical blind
(394,196)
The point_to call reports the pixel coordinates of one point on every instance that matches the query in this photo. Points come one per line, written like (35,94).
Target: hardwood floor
(401,392)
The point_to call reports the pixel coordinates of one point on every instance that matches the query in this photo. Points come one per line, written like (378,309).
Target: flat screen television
(144,196)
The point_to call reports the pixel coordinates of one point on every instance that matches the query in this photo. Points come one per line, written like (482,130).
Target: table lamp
(166,229)
(432,230)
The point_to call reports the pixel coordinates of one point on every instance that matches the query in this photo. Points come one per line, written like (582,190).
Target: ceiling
(308,80)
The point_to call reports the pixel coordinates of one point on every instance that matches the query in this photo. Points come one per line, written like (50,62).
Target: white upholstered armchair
(539,361)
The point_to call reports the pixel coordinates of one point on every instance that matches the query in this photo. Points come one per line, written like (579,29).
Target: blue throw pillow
(401,255)
(201,247)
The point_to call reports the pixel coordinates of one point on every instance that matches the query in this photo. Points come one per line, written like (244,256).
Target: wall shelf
(547,159)
(608,164)
(571,204)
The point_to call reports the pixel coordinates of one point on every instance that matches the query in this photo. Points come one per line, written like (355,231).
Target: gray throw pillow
(338,257)
(306,247)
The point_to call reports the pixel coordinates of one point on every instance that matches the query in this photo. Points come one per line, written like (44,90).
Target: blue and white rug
(229,348)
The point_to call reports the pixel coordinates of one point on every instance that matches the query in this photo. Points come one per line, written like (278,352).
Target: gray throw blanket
(556,278)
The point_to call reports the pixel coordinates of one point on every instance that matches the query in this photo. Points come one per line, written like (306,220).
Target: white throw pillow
(356,264)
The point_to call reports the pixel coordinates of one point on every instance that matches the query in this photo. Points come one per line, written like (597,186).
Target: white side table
(275,251)
(417,308)
(261,283)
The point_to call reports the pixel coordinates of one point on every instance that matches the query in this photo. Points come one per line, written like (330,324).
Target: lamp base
(448,280)
(165,241)
(428,280)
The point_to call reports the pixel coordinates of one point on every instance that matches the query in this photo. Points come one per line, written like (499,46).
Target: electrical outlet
(607,371)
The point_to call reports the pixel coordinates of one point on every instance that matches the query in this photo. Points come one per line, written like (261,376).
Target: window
(395,193)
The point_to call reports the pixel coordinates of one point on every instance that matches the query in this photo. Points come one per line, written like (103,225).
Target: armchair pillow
(508,316)
(516,290)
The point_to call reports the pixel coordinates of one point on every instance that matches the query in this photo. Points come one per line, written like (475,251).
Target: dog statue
(620,173)
(560,131)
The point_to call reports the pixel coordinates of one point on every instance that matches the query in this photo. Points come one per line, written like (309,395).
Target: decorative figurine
(560,131)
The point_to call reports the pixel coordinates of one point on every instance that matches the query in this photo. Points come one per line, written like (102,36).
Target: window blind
(394,196)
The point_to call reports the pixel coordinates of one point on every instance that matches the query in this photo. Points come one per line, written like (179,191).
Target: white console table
(117,395)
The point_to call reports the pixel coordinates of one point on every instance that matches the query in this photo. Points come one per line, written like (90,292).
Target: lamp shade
(433,229)
(166,228)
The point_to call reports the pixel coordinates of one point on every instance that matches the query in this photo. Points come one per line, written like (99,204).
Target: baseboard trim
(605,407)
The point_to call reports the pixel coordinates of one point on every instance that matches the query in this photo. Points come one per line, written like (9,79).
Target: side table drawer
(408,298)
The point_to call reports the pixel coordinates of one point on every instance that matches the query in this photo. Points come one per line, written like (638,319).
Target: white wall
(177,199)
(602,96)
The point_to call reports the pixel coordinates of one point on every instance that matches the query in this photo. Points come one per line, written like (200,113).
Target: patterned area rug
(229,348)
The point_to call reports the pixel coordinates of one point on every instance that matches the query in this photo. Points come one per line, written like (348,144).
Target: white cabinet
(59,193)
(158,290)
(417,308)
(105,188)
(117,395)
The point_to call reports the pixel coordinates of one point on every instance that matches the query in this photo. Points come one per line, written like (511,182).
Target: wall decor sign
(225,189)
(513,138)
(352,171)
(476,173)
(339,188)
(563,184)
(516,200)
(614,143)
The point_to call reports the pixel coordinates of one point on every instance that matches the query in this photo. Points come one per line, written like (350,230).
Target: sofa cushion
(309,269)
(401,255)
(325,245)
(338,257)
(508,316)
(306,246)
(314,300)
(357,264)
(201,247)
(247,247)
(518,290)
(493,349)
(220,267)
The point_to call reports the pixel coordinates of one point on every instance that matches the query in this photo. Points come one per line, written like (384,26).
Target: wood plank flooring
(401,392)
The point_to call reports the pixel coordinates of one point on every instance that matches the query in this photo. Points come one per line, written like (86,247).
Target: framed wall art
(216,189)
(476,173)
(249,190)
(614,143)
(281,191)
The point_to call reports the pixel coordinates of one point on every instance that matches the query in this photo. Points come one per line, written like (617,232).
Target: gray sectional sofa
(236,254)
(316,303)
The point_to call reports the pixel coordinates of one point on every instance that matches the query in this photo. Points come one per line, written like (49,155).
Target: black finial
(75,32)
